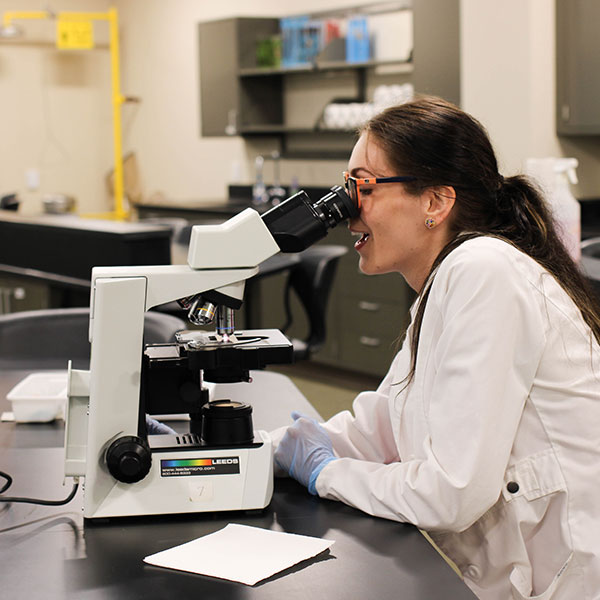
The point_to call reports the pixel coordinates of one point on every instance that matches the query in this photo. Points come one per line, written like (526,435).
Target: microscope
(222,463)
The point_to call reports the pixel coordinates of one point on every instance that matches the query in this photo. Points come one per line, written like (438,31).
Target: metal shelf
(273,129)
(329,65)
(281,129)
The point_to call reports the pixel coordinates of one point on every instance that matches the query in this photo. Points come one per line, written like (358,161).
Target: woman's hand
(304,450)
(154,427)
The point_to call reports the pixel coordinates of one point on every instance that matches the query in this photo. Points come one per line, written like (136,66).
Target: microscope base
(190,481)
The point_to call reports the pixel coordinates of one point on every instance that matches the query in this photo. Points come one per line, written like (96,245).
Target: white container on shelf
(40,397)
(555,176)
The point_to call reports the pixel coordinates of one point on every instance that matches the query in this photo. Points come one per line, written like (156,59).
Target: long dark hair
(441,145)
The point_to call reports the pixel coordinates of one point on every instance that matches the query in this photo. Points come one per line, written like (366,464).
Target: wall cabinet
(577,67)
(239,98)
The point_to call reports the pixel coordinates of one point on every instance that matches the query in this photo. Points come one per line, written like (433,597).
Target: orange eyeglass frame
(352,184)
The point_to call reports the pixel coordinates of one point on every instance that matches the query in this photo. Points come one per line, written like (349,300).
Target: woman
(486,430)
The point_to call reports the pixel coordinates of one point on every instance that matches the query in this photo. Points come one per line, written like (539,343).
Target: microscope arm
(164,283)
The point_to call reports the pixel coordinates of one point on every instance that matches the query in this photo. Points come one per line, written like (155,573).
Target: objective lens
(202,313)
(225,321)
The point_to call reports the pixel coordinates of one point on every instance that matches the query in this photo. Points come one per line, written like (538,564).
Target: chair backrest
(311,280)
(590,262)
(48,339)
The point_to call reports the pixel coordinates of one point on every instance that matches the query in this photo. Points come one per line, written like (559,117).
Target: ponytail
(535,234)
(523,216)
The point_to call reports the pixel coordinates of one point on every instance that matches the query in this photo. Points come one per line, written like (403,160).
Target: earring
(430,223)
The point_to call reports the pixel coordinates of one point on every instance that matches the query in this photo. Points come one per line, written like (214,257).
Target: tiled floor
(328,390)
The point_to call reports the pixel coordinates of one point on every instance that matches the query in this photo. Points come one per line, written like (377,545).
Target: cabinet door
(577,67)
(17,294)
(437,48)
(217,49)
(227,102)
(372,333)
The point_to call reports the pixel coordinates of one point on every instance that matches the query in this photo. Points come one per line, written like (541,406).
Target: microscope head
(247,239)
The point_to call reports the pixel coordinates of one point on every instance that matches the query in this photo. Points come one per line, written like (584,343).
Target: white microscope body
(104,402)
(129,473)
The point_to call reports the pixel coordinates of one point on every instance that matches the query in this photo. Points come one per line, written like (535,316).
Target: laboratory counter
(192,210)
(46,260)
(239,197)
(52,553)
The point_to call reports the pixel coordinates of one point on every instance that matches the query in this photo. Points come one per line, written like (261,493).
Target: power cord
(9,481)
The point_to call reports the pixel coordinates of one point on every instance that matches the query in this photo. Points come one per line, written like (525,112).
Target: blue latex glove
(154,427)
(304,450)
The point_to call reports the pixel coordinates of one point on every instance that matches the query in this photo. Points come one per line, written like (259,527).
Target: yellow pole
(84,16)
(117,99)
(11,15)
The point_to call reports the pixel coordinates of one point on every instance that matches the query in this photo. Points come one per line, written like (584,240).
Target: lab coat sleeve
(481,341)
(366,434)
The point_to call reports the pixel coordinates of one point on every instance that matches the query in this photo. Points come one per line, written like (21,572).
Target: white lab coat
(506,391)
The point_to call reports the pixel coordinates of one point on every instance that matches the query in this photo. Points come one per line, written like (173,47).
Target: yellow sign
(74,35)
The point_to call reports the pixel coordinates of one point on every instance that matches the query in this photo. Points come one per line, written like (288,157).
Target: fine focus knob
(129,459)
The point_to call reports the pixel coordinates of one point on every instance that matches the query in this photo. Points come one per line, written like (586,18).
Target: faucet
(259,191)
(276,193)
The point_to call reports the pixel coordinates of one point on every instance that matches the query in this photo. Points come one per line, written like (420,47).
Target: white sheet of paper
(240,553)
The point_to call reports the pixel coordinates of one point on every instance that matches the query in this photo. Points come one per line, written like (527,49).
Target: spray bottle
(556,176)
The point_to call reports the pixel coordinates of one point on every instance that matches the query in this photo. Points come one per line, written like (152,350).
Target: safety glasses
(352,184)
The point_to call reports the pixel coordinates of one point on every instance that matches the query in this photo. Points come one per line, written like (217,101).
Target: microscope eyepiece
(335,207)
(298,222)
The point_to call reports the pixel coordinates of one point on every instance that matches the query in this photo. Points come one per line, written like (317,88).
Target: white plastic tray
(40,397)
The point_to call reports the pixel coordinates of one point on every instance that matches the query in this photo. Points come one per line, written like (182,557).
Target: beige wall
(507,73)
(57,113)
(508,82)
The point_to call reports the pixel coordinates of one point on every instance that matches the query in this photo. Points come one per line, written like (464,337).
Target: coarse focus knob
(129,459)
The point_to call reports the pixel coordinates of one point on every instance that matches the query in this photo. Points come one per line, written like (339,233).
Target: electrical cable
(9,481)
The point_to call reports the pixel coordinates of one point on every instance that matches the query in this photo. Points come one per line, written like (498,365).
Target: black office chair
(48,339)
(590,262)
(311,280)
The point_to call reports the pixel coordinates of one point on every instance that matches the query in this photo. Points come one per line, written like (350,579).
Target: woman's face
(391,224)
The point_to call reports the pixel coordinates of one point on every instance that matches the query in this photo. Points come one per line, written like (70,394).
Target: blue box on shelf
(358,47)
(311,40)
(291,40)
